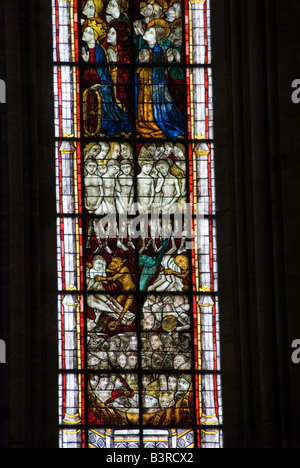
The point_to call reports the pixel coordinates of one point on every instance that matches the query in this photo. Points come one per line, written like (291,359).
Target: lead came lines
(138,289)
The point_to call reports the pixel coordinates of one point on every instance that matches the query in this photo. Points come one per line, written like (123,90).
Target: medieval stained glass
(139,357)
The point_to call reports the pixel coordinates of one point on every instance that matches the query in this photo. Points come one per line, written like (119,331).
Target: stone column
(72,413)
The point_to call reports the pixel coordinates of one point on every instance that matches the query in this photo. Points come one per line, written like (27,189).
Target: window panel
(139,358)
(71,404)
(68,178)
(66,98)
(69,253)
(199,32)
(114,399)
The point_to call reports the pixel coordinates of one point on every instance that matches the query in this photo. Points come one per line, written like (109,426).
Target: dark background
(256,57)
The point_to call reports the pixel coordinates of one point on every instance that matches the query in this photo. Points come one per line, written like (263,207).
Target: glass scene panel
(139,357)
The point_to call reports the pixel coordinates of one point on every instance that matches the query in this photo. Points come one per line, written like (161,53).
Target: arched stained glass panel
(139,362)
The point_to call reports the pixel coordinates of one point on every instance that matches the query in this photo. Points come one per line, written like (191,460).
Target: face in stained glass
(166,335)
(164,397)
(112,351)
(114,399)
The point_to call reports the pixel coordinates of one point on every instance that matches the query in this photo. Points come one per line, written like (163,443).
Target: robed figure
(113,118)
(158,116)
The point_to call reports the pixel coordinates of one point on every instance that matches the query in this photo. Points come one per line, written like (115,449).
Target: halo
(160,23)
(99,6)
(123,24)
(177,23)
(169,323)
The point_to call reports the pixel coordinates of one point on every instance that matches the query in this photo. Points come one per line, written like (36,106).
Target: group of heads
(103,157)
(103,19)
(158,156)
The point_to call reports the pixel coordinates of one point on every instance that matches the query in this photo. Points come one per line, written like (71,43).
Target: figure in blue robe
(157,114)
(114,120)
(166,113)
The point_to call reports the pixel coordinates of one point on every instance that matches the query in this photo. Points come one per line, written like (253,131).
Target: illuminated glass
(139,358)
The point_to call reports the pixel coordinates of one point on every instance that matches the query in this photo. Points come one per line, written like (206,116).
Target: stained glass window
(139,357)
